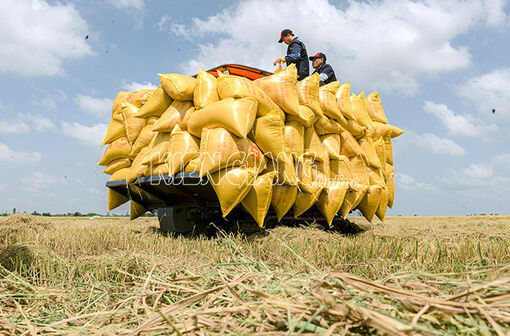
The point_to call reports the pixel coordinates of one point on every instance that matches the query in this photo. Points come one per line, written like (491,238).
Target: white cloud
(136,4)
(10,157)
(478,171)
(89,135)
(24,123)
(434,144)
(502,160)
(38,182)
(46,102)
(39,122)
(460,125)
(375,45)
(408,183)
(97,107)
(50,100)
(481,178)
(13,127)
(162,22)
(37,37)
(94,191)
(135,86)
(489,92)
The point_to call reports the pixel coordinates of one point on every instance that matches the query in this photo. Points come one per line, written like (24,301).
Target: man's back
(296,53)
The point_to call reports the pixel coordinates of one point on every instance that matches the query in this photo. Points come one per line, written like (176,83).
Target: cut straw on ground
(228,286)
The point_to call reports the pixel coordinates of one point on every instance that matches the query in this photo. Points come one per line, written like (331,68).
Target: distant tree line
(76,214)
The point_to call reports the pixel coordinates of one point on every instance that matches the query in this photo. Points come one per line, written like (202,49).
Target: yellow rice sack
(205,90)
(352,127)
(157,170)
(370,202)
(122,97)
(375,176)
(144,138)
(140,97)
(380,150)
(232,185)
(383,205)
(115,199)
(174,115)
(313,145)
(388,149)
(137,169)
(269,135)
(220,149)
(294,138)
(324,125)
(156,105)
(359,111)
(258,198)
(177,86)
(339,169)
(305,199)
(391,190)
(323,166)
(115,165)
(331,144)
(359,169)
(319,175)
(193,165)
(375,109)
(390,170)
(368,147)
(158,150)
(349,146)
(283,198)
(182,148)
(306,116)
(354,196)
(118,149)
(303,167)
(285,169)
(136,210)
(343,100)
(282,89)
(132,125)
(230,86)
(116,130)
(349,198)
(308,89)
(137,98)
(331,199)
(328,101)
(382,130)
(120,174)
(235,115)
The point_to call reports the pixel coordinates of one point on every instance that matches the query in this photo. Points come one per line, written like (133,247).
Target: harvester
(186,202)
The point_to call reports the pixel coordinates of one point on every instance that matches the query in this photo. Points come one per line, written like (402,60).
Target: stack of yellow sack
(269,142)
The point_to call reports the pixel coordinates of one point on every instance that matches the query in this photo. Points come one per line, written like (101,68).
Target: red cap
(285,32)
(318,55)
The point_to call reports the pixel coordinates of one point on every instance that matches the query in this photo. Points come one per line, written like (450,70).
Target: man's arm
(325,74)
(295,53)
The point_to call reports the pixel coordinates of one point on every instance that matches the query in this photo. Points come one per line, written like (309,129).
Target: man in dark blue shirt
(296,53)
(325,71)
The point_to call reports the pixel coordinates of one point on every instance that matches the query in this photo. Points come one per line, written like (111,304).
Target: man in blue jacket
(325,71)
(296,53)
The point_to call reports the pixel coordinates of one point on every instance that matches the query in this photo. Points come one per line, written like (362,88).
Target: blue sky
(441,67)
